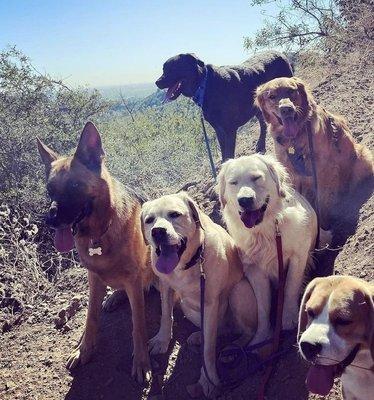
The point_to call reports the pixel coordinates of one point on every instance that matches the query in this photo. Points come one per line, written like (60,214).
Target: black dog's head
(181,75)
(73,183)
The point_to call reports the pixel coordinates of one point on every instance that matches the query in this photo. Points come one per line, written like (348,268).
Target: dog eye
(271,96)
(256,178)
(233,183)
(342,322)
(291,91)
(149,220)
(174,214)
(311,313)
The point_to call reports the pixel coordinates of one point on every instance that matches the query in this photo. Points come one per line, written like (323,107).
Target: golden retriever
(341,164)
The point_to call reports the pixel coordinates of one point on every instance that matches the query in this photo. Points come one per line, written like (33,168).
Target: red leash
(280,302)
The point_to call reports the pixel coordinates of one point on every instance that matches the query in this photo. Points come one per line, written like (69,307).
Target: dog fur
(259,178)
(114,219)
(343,166)
(227,102)
(174,220)
(336,314)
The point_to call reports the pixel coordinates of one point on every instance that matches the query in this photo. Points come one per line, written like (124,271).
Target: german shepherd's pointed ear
(303,316)
(46,154)
(90,150)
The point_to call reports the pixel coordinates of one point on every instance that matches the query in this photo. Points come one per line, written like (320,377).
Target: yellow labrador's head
(249,185)
(336,315)
(168,223)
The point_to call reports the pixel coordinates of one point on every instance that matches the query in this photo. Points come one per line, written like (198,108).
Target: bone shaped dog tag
(95,251)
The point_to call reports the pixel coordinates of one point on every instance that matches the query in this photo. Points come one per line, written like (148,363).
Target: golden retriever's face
(168,223)
(336,314)
(247,185)
(283,102)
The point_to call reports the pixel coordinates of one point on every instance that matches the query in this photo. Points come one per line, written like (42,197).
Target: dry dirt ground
(33,354)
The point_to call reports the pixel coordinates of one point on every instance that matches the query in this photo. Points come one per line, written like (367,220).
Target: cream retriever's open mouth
(173,92)
(251,218)
(168,256)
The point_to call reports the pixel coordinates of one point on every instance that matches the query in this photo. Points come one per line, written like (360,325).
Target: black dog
(225,94)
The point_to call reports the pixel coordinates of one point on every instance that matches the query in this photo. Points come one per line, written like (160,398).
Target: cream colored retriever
(254,192)
(181,236)
(336,334)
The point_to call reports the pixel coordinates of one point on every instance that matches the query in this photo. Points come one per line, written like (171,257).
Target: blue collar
(199,95)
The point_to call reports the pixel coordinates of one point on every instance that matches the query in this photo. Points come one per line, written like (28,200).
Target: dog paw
(115,300)
(159,344)
(80,355)
(141,368)
(194,339)
(211,387)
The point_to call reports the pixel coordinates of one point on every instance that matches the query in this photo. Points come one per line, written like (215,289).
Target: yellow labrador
(336,334)
(181,236)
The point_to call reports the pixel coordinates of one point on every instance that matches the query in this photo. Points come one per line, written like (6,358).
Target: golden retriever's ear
(195,211)
(308,103)
(278,173)
(303,316)
(221,184)
(259,102)
(142,225)
(46,154)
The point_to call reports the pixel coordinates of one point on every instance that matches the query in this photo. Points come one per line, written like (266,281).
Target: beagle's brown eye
(174,214)
(149,220)
(291,91)
(271,96)
(342,321)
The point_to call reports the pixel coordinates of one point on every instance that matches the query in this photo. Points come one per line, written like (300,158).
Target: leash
(315,183)
(280,302)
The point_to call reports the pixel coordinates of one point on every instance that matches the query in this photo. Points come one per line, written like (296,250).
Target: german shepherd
(92,211)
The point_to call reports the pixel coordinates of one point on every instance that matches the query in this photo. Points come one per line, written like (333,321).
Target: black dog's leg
(261,146)
(230,142)
(221,140)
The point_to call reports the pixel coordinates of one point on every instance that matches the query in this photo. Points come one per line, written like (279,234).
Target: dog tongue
(289,127)
(64,240)
(249,218)
(320,379)
(168,259)
(171,91)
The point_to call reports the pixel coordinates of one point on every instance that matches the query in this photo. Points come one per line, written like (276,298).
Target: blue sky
(95,43)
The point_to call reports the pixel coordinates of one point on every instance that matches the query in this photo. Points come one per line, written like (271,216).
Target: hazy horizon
(121,42)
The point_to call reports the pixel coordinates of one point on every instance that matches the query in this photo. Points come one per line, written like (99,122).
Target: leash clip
(277,230)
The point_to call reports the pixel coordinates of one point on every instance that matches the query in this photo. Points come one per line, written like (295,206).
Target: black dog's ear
(199,62)
(46,154)
(90,150)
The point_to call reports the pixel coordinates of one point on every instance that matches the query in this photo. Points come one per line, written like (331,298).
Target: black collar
(348,360)
(194,258)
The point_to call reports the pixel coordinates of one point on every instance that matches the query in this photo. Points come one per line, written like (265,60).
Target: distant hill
(128,91)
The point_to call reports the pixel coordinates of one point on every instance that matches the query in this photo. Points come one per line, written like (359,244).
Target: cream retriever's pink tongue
(168,259)
(250,218)
(320,379)
(64,240)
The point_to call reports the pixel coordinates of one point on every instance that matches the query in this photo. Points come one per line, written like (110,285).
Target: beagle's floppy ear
(259,102)
(278,173)
(46,154)
(308,104)
(303,316)
(221,183)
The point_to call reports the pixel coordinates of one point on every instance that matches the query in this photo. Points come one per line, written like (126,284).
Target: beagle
(336,335)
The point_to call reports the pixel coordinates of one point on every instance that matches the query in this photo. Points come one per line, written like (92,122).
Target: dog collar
(195,258)
(199,95)
(297,159)
(348,360)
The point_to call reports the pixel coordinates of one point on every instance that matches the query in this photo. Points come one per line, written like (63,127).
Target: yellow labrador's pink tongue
(320,379)
(168,259)
(64,240)
(250,218)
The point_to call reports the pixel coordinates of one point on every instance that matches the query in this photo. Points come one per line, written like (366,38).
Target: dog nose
(158,233)
(286,110)
(310,350)
(246,202)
